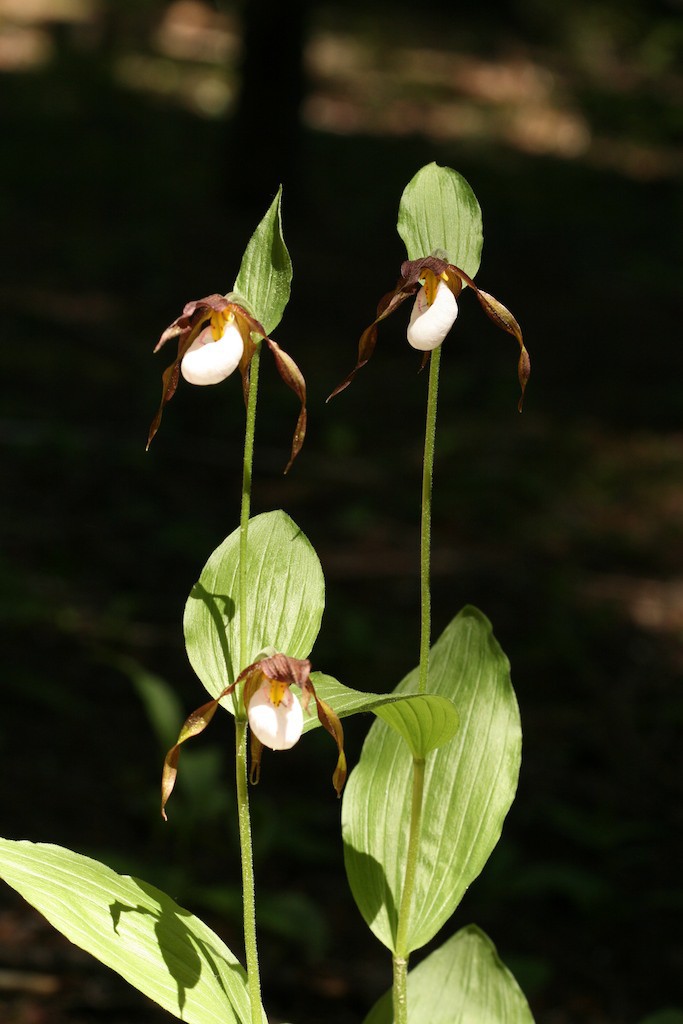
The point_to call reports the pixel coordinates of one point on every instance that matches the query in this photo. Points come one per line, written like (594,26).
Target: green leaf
(469,786)
(162,704)
(285,601)
(137,930)
(439,214)
(265,275)
(425,721)
(462,982)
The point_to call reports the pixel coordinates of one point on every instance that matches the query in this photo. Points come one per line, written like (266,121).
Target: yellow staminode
(277,692)
(430,282)
(218,322)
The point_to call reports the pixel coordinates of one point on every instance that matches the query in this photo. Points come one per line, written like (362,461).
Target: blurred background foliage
(142,142)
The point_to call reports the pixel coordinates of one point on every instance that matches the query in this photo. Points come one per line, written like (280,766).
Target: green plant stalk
(426,520)
(244,820)
(401,951)
(246,498)
(248,888)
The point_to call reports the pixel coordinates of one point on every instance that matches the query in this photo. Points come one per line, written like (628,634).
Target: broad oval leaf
(285,601)
(438,214)
(463,981)
(265,274)
(469,786)
(425,721)
(134,928)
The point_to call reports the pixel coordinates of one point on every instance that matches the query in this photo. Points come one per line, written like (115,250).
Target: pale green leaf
(425,721)
(137,930)
(469,786)
(162,704)
(439,215)
(285,601)
(462,982)
(265,274)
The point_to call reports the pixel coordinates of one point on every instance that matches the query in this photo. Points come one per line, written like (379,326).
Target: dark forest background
(141,144)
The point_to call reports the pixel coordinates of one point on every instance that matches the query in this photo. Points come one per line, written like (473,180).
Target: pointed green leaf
(469,786)
(425,721)
(285,601)
(462,982)
(265,274)
(438,214)
(137,930)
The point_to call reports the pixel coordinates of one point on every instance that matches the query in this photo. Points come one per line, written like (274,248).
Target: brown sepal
(278,667)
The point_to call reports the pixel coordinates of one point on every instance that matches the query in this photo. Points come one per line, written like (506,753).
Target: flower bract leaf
(439,215)
(469,786)
(425,721)
(285,601)
(265,274)
(464,980)
(132,927)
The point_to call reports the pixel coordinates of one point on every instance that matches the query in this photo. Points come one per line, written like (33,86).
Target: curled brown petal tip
(523,373)
(255,750)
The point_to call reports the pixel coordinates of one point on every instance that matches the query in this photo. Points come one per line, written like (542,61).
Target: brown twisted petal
(408,284)
(503,318)
(294,379)
(195,724)
(330,721)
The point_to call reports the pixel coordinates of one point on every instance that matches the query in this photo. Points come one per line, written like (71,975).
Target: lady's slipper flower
(438,285)
(432,318)
(215,337)
(275,715)
(214,354)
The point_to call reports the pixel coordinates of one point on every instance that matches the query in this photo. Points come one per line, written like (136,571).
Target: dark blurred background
(141,144)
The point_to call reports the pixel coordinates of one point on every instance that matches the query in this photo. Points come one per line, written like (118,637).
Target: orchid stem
(248,889)
(246,499)
(426,520)
(244,820)
(402,952)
